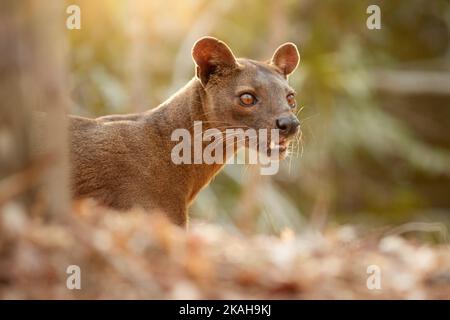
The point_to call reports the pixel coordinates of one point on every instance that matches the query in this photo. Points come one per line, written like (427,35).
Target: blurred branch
(412,82)
(205,23)
(138,31)
(278,26)
(20,182)
(439,228)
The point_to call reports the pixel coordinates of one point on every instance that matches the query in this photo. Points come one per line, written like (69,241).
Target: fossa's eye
(291,100)
(247,99)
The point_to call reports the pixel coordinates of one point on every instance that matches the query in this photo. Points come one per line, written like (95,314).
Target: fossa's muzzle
(288,126)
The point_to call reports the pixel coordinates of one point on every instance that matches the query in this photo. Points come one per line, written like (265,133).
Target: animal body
(124,161)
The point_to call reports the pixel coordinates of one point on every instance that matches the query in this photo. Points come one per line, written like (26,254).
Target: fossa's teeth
(272,144)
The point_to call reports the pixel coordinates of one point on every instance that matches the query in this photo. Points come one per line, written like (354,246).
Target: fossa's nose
(288,125)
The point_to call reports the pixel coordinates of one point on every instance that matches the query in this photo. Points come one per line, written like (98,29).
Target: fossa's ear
(210,54)
(286,58)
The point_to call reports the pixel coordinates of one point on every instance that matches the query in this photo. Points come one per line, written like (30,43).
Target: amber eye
(247,99)
(291,100)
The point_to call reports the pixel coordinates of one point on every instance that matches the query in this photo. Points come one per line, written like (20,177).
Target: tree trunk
(32,78)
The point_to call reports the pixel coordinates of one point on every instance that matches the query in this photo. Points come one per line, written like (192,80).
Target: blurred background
(372,166)
(375,104)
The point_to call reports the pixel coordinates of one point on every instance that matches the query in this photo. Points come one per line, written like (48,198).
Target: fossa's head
(243,93)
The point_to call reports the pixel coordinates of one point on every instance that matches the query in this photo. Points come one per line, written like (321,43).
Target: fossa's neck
(181,111)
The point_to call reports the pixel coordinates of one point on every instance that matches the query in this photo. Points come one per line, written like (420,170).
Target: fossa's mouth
(279,148)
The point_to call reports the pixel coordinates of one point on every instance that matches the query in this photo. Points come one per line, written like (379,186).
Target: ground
(137,255)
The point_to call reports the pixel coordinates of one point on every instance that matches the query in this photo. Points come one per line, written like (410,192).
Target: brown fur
(125,160)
